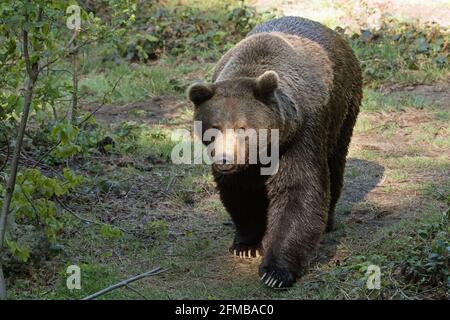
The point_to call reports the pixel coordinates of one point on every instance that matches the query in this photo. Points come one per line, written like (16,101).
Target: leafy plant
(429,261)
(33,198)
(186,29)
(400,46)
(110,232)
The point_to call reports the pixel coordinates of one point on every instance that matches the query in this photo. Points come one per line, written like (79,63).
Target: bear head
(238,112)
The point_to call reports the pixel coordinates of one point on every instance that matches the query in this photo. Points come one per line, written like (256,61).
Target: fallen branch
(137,292)
(88,221)
(125,283)
(76,215)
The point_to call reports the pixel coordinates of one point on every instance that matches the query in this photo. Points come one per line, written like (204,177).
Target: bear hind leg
(336,163)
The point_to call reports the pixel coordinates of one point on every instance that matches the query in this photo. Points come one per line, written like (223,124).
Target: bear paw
(246,251)
(276,277)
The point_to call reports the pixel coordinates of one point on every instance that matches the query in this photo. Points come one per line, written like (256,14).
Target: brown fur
(313,97)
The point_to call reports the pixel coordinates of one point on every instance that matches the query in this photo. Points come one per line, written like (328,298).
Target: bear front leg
(247,205)
(249,220)
(296,220)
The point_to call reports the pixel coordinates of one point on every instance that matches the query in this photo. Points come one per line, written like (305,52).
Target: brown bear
(302,78)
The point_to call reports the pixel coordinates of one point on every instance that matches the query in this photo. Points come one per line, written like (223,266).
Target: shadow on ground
(361,176)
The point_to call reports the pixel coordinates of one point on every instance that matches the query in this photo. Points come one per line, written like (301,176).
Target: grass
(374,101)
(441,163)
(189,233)
(398,175)
(141,141)
(195,258)
(134,83)
(200,267)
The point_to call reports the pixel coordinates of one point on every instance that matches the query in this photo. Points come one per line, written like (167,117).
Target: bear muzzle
(224,164)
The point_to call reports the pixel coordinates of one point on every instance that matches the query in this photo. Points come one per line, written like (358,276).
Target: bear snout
(223,163)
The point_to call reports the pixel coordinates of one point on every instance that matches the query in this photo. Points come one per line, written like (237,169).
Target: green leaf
(20,252)
(73,179)
(110,232)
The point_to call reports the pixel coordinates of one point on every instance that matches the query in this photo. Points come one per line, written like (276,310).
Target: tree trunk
(2,285)
(32,71)
(74,111)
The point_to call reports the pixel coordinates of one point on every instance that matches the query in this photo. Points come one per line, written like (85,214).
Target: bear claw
(246,251)
(272,282)
(276,277)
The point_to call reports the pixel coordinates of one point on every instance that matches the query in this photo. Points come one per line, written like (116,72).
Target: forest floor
(391,213)
(397,171)
(396,180)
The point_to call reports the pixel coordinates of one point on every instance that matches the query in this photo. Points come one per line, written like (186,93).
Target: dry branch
(137,292)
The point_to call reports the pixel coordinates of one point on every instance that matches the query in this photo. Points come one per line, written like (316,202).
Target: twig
(125,283)
(99,223)
(7,153)
(137,292)
(83,44)
(171,181)
(70,51)
(47,64)
(39,160)
(88,221)
(102,103)
(76,215)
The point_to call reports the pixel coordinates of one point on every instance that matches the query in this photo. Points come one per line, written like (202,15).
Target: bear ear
(200,92)
(267,83)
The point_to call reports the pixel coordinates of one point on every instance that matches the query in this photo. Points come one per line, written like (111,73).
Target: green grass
(143,141)
(442,115)
(368,154)
(374,101)
(134,83)
(199,266)
(363,123)
(441,163)
(348,279)
(398,175)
